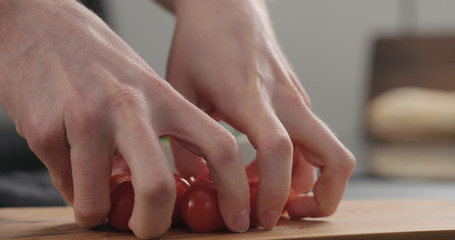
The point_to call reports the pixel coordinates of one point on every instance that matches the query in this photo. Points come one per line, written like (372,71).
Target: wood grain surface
(355,219)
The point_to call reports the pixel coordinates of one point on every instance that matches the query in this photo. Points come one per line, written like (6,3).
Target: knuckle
(90,212)
(280,143)
(227,146)
(87,122)
(83,117)
(347,161)
(296,100)
(293,96)
(126,97)
(160,189)
(44,137)
(128,104)
(226,140)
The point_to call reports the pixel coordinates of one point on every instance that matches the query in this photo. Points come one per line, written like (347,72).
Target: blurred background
(349,56)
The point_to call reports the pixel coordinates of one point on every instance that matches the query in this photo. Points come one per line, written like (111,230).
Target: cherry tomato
(253,193)
(119,178)
(122,202)
(290,198)
(182,186)
(190,180)
(204,176)
(200,209)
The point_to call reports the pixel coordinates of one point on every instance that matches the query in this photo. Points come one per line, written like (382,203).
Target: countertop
(355,219)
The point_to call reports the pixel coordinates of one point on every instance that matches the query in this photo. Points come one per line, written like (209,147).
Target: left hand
(225,59)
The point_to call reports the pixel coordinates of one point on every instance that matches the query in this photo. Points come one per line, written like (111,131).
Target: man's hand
(80,96)
(226,60)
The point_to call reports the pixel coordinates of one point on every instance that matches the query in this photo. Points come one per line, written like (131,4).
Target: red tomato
(253,193)
(200,209)
(191,180)
(204,176)
(182,186)
(290,198)
(122,202)
(119,178)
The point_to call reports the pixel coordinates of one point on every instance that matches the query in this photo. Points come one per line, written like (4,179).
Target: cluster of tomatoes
(201,216)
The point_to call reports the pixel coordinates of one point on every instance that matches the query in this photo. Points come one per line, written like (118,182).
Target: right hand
(80,95)
(225,58)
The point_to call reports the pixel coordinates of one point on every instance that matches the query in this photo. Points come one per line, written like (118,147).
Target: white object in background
(413,113)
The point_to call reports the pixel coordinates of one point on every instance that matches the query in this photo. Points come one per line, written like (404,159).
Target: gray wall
(327,42)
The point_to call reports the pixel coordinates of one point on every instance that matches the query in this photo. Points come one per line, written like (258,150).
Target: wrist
(238,18)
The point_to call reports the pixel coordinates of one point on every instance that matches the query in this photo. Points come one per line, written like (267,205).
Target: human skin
(225,59)
(80,95)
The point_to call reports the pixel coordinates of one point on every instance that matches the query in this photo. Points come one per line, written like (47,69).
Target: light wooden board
(355,219)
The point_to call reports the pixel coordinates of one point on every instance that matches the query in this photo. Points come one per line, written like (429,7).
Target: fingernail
(269,219)
(241,221)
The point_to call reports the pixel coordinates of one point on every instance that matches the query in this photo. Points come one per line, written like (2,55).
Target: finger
(274,154)
(322,149)
(49,144)
(58,163)
(152,179)
(90,164)
(187,163)
(303,173)
(205,137)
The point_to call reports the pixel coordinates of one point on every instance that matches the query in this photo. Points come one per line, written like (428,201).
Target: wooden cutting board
(355,219)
